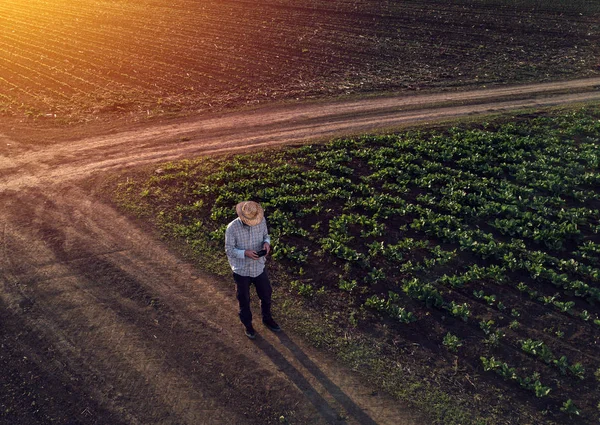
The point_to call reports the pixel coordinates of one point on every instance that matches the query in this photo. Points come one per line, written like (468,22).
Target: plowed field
(85,60)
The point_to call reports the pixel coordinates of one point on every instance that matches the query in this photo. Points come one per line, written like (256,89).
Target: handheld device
(261,253)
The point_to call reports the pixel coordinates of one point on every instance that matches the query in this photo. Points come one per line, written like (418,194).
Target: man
(247,243)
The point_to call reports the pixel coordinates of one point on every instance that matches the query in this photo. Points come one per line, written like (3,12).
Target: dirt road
(100,323)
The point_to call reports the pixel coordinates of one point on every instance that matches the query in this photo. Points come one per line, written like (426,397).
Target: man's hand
(251,254)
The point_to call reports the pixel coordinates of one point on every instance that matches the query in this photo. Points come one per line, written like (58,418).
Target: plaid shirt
(238,238)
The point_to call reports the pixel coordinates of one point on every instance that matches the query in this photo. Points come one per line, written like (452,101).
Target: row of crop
(541,350)
(517,212)
(426,293)
(589,251)
(431,297)
(531,383)
(541,155)
(514,254)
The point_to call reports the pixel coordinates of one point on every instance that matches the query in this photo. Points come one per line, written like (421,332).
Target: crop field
(467,258)
(67,62)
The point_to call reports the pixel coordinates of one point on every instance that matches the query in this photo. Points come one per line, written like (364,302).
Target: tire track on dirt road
(271,126)
(140,335)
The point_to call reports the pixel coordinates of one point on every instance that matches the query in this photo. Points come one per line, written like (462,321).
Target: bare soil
(101,60)
(101,324)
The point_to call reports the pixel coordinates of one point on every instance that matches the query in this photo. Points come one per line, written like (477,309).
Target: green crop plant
(390,307)
(486,326)
(537,348)
(533,383)
(564,307)
(562,364)
(577,370)
(501,368)
(455,281)
(425,292)
(493,339)
(489,299)
(375,275)
(461,311)
(304,289)
(347,285)
(490,364)
(540,390)
(290,252)
(570,408)
(452,342)
(508,373)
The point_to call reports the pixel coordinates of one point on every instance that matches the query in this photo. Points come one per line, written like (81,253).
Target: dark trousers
(263,290)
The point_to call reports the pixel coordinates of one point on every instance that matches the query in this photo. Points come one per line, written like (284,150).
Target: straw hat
(250,212)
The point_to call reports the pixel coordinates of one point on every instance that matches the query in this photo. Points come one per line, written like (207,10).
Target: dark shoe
(250,332)
(271,324)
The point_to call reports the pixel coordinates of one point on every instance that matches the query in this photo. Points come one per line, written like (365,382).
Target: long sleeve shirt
(238,238)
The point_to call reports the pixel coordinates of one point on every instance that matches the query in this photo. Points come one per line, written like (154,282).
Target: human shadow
(323,407)
(351,408)
(316,399)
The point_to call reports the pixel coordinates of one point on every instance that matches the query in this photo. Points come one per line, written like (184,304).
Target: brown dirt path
(50,161)
(100,323)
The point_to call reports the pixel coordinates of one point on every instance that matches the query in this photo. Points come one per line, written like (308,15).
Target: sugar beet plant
(490,233)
